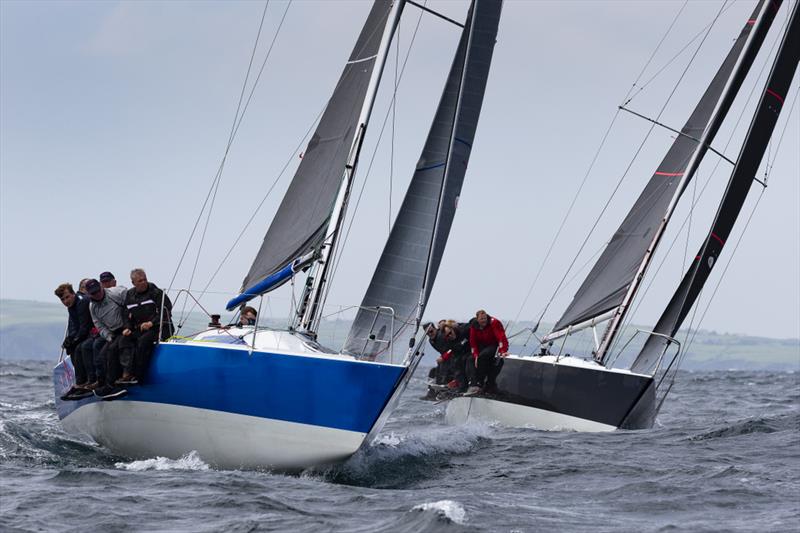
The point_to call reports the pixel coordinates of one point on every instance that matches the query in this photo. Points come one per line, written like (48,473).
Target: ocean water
(724,456)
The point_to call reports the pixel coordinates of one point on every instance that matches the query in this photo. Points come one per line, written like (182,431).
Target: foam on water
(190,461)
(449,509)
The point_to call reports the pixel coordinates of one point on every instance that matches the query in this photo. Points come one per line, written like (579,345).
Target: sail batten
(609,283)
(301,222)
(410,261)
(739,183)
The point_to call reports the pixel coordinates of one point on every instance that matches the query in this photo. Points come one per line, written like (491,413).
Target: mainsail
(403,279)
(610,279)
(301,222)
(741,179)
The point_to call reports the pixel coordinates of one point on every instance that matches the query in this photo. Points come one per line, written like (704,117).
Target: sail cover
(302,218)
(434,189)
(608,281)
(741,179)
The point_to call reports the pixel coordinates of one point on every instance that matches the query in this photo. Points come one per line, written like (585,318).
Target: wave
(190,461)
(396,460)
(449,510)
(764,424)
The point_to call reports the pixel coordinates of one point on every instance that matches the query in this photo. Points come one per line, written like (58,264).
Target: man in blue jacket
(77,343)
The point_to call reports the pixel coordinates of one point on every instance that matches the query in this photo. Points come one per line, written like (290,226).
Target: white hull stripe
(463,409)
(144,430)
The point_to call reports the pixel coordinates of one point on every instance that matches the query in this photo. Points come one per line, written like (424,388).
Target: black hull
(597,395)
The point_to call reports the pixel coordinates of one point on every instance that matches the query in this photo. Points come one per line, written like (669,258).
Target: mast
(308,313)
(741,179)
(407,268)
(426,278)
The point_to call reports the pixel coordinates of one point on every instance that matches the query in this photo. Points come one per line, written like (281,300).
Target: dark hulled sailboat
(553,392)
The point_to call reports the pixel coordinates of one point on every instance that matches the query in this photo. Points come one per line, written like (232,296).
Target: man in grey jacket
(107,309)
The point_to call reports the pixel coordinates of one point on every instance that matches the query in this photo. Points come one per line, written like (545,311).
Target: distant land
(34,330)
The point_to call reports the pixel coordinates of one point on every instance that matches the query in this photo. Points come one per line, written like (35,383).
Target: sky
(114,117)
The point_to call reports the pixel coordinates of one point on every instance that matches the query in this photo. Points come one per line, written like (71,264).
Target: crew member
(143,320)
(107,308)
(75,344)
(487,339)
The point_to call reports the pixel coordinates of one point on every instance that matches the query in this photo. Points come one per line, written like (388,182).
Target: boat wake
(396,460)
(190,461)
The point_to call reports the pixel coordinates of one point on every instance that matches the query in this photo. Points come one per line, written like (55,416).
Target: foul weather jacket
(80,322)
(145,306)
(492,334)
(460,344)
(108,313)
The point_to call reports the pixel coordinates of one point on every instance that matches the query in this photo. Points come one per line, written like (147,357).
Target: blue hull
(330,393)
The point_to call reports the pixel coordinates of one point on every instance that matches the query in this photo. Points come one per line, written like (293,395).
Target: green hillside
(34,330)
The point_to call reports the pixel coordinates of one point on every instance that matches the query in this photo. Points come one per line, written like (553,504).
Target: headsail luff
(435,186)
(750,156)
(610,279)
(301,221)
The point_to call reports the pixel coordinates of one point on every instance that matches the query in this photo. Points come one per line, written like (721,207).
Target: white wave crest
(190,461)
(450,509)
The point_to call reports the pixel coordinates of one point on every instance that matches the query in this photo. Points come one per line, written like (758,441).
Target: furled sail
(609,280)
(301,222)
(741,179)
(408,266)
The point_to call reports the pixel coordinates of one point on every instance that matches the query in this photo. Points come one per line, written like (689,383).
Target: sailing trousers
(82,362)
(487,367)
(137,348)
(98,358)
(110,355)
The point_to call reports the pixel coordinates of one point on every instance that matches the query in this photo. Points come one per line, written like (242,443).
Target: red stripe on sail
(670,174)
(751,22)
(715,236)
(776,95)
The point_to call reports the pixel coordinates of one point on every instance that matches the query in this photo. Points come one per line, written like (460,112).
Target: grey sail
(750,156)
(408,264)
(301,221)
(609,280)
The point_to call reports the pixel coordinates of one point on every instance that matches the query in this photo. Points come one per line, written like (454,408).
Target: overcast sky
(114,117)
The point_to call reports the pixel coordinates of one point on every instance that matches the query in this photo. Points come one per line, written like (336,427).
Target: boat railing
(657,365)
(371,336)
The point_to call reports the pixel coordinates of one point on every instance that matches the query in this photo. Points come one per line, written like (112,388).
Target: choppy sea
(724,456)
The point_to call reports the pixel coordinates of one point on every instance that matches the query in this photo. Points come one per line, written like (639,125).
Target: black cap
(107,276)
(93,286)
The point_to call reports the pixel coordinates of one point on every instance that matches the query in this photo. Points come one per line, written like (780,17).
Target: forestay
(301,222)
(609,280)
(741,179)
(407,268)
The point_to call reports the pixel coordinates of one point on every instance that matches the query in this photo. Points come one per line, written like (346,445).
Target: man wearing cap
(108,313)
(107,280)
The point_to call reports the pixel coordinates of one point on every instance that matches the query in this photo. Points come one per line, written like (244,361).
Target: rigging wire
(218,176)
(734,129)
(627,99)
(641,146)
(239,117)
(211,188)
(768,168)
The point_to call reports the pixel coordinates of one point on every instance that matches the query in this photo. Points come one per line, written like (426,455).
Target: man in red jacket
(487,339)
